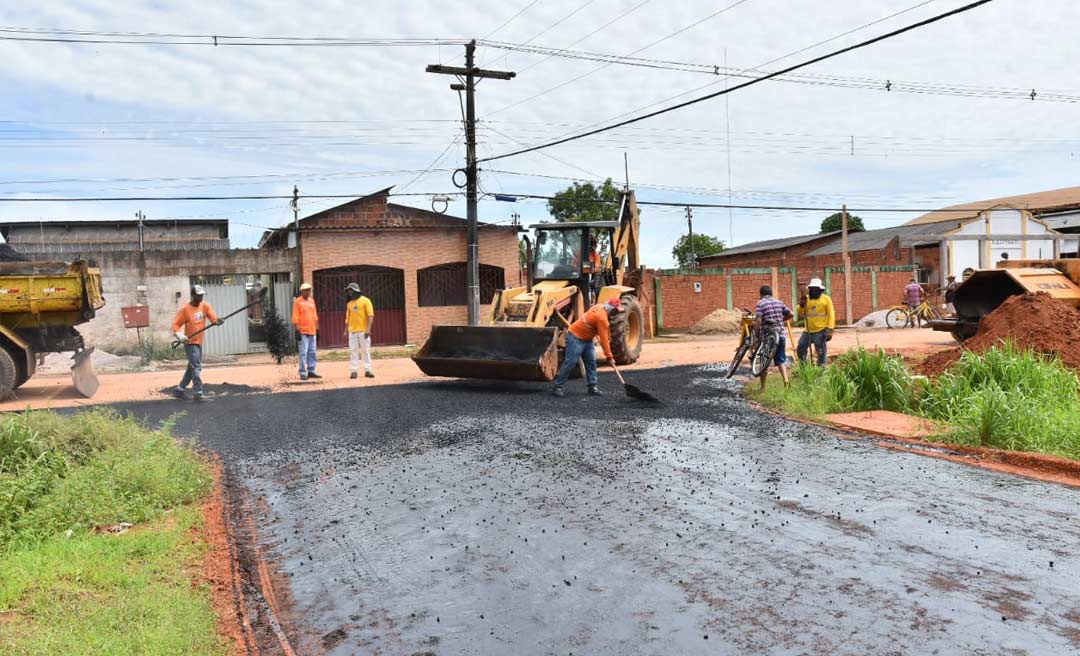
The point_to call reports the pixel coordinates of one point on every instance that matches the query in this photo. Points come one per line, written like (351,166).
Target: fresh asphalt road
(452,517)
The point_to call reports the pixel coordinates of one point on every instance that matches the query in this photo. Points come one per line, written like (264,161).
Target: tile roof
(769,245)
(1054,200)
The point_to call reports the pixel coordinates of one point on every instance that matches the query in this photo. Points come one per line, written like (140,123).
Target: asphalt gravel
(466,517)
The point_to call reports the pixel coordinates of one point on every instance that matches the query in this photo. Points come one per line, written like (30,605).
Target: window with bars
(445,284)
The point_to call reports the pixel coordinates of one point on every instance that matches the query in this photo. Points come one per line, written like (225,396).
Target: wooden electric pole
(847,266)
(467,77)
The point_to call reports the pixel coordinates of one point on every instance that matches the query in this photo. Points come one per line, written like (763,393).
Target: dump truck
(524,334)
(986,289)
(40,305)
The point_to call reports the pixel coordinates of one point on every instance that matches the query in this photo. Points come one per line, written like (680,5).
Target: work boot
(179,392)
(369,374)
(199,396)
(353,375)
(595,391)
(313,375)
(303,376)
(557,391)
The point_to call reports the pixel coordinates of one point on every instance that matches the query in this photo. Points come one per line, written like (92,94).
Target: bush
(862,380)
(1008,398)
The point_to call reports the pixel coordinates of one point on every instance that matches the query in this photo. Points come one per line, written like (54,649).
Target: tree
(703,245)
(835,222)
(278,335)
(581,202)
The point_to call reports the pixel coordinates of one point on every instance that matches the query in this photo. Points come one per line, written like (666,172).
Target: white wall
(1001,222)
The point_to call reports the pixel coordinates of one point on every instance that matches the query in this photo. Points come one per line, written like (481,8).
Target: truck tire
(8,374)
(628,332)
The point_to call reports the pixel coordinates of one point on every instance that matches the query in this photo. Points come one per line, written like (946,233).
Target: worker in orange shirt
(305,318)
(579,345)
(191,319)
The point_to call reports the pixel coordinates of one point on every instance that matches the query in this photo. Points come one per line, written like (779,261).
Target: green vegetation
(68,589)
(835,222)
(703,245)
(586,202)
(1006,398)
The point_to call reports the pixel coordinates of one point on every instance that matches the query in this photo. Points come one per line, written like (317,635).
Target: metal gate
(283,302)
(231,337)
(383,285)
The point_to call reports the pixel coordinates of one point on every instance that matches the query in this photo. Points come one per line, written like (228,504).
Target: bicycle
(766,349)
(901,316)
(747,341)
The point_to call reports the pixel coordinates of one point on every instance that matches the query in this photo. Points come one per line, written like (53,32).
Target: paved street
(451,517)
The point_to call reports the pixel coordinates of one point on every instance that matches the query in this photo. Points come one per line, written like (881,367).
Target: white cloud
(909,148)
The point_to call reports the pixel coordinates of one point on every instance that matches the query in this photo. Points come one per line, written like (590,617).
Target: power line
(511,19)
(596,31)
(634,52)
(109,199)
(815,60)
(214,40)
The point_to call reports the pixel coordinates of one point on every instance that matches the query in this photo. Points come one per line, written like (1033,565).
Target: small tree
(703,245)
(582,202)
(278,338)
(835,223)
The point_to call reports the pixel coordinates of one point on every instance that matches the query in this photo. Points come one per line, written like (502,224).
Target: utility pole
(467,77)
(847,265)
(141,217)
(296,237)
(690,230)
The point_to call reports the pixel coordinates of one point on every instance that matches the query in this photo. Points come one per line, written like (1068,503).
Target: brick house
(409,261)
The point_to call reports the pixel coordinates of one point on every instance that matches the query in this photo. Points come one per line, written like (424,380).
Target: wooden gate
(383,285)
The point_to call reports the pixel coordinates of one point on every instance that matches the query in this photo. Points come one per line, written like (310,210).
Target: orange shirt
(595,323)
(193,318)
(304,315)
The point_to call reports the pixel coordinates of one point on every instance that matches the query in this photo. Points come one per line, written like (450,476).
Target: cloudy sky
(83,119)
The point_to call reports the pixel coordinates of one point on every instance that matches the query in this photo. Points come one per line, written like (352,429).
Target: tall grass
(1008,398)
(92,469)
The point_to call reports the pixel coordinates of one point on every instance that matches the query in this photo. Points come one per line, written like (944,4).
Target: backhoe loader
(524,334)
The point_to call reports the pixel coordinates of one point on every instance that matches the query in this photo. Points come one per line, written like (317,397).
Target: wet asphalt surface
(453,517)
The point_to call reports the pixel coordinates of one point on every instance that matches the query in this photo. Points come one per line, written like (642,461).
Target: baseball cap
(306,285)
(352,287)
(816,282)
(614,304)
(198,290)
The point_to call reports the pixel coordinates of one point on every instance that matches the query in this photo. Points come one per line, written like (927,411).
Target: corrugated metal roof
(768,245)
(878,239)
(1054,200)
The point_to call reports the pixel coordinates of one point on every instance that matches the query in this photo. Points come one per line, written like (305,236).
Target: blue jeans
(193,373)
(307,354)
(576,350)
(818,341)
(781,350)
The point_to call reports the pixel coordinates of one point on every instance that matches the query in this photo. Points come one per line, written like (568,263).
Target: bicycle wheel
(764,355)
(740,353)
(897,318)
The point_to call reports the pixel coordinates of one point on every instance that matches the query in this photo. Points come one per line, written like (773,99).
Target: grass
(1006,398)
(66,588)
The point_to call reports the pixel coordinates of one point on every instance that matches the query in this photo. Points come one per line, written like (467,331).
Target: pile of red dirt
(1036,321)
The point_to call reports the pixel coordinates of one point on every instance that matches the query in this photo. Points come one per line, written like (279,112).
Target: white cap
(816,282)
(198,290)
(306,285)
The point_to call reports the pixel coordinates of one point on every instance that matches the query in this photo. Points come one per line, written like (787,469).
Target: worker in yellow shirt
(817,309)
(359,320)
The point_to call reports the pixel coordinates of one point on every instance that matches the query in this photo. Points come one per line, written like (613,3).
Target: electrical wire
(809,62)
(109,199)
(633,52)
(603,27)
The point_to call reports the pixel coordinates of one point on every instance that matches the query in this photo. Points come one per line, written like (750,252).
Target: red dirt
(1036,321)
(220,573)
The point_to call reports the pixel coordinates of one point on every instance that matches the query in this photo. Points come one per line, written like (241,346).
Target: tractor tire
(628,332)
(9,374)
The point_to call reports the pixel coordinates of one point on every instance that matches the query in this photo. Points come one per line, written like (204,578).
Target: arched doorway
(385,287)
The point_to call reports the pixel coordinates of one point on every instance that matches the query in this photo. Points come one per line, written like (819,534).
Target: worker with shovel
(189,325)
(817,308)
(580,347)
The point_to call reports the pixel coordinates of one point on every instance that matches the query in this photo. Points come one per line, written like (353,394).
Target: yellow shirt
(819,314)
(358,315)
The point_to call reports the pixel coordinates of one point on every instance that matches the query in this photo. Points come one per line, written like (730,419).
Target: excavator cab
(524,333)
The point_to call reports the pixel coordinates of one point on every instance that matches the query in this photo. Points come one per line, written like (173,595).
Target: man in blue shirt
(771,314)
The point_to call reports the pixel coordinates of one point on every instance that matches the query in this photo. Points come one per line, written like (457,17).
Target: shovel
(635,392)
(262,298)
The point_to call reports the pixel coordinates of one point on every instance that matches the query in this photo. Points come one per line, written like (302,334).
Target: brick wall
(680,307)
(410,250)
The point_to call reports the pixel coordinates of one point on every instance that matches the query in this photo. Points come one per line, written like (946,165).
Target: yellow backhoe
(40,305)
(523,336)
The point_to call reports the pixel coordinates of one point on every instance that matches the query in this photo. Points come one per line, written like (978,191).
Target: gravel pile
(718,322)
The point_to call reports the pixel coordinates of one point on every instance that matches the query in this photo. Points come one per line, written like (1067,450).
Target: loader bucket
(82,373)
(496,352)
